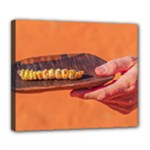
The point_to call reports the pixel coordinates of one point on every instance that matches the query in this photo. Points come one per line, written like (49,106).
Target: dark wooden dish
(86,62)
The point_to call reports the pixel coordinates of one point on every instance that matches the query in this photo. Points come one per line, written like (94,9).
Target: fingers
(129,81)
(126,100)
(81,92)
(122,109)
(106,92)
(115,66)
(127,84)
(98,93)
(126,107)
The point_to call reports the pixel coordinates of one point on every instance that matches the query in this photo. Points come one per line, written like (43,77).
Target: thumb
(117,65)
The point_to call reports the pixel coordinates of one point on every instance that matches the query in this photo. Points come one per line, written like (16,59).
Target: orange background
(56,109)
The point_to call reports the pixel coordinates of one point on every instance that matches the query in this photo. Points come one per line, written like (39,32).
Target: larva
(50,74)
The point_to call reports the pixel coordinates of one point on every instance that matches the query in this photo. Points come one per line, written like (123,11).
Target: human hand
(121,94)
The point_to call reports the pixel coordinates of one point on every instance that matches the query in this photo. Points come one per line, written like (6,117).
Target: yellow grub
(58,74)
(39,75)
(21,73)
(72,74)
(50,74)
(30,76)
(26,74)
(79,74)
(65,74)
(45,74)
(34,75)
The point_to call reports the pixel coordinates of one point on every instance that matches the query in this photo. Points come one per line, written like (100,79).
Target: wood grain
(83,61)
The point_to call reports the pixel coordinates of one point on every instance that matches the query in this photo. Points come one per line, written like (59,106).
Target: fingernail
(101,70)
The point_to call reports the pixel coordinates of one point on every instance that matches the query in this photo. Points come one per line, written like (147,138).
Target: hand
(121,94)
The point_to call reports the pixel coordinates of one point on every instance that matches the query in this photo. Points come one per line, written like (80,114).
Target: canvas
(50,105)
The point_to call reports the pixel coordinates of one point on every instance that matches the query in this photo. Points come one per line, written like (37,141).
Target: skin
(121,94)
